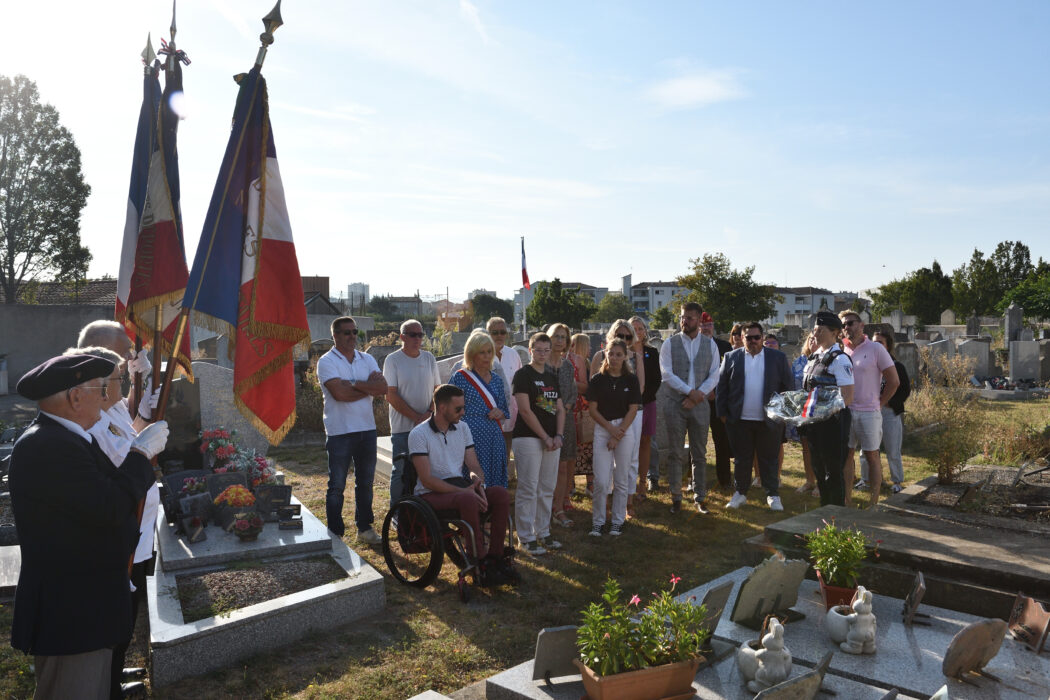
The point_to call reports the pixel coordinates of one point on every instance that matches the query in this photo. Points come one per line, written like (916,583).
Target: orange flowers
(237,496)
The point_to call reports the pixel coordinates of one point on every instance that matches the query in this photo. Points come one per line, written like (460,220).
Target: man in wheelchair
(442,452)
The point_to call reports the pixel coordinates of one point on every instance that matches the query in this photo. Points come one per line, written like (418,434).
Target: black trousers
(723,449)
(138,577)
(828,441)
(751,438)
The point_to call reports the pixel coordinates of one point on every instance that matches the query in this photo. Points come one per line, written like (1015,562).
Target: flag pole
(270,24)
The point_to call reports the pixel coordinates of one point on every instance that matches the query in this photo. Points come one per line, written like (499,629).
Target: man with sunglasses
(689,366)
(75,512)
(411,375)
(349,379)
(749,376)
(875,382)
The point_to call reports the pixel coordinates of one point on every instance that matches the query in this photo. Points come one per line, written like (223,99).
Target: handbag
(584,425)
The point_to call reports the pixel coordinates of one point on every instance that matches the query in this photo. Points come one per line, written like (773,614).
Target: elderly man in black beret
(76,518)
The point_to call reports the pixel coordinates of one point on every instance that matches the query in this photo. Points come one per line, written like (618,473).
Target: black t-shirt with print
(542,390)
(614,395)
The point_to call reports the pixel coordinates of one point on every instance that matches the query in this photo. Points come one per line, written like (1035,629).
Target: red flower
(242,525)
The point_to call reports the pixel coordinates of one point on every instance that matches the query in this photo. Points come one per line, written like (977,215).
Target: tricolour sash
(479,386)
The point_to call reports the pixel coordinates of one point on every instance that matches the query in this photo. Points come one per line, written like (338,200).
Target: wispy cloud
(697,88)
(469,12)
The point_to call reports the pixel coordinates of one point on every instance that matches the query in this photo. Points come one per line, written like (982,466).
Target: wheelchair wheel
(412,545)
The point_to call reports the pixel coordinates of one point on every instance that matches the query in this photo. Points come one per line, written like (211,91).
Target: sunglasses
(497,332)
(737,333)
(623,337)
(346,332)
(753,337)
(414,334)
(847,324)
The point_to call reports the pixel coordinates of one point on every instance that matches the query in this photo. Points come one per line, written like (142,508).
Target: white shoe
(861,485)
(369,536)
(736,501)
(774,503)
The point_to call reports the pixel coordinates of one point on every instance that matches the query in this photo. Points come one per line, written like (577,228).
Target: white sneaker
(774,503)
(861,485)
(736,501)
(896,488)
(369,536)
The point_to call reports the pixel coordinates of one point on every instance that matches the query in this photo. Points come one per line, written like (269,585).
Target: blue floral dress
(488,434)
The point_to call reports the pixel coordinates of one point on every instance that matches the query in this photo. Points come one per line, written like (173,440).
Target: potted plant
(233,500)
(632,653)
(837,554)
(247,525)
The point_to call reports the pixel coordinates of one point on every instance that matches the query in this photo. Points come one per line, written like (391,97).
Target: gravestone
(947,317)
(865,316)
(217,483)
(217,409)
(973,326)
(1045,334)
(979,351)
(270,497)
(196,506)
(1029,622)
(941,351)
(1024,360)
(908,355)
(555,651)
(973,647)
(174,482)
(1026,334)
(897,319)
(771,588)
(1044,359)
(791,334)
(1012,320)
(184,424)
(715,601)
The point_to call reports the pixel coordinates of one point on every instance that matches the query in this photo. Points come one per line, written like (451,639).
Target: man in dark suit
(749,376)
(76,519)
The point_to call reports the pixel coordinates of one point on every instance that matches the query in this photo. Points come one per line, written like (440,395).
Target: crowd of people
(618,418)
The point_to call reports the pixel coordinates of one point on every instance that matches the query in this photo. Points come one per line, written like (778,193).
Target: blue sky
(830,144)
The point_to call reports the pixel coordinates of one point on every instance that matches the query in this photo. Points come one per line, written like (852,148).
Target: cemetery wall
(31,333)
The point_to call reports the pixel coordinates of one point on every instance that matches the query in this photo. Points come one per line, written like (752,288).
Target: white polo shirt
(445,450)
(341,417)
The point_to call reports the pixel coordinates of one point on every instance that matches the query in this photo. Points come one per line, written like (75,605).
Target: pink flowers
(674,581)
(634,600)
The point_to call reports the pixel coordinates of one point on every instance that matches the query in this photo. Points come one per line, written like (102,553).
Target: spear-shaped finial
(147,54)
(270,22)
(172,27)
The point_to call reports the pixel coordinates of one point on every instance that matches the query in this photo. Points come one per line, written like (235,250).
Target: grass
(428,639)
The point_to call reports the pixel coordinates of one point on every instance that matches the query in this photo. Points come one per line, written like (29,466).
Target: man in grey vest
(689,366)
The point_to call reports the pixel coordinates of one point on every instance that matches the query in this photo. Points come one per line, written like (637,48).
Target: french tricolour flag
(245,278)
(524,270)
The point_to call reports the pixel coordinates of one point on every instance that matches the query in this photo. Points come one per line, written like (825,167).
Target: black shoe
(676,506)
(490,573)
(701,508)
(506,567)
(133,690)
(132,674)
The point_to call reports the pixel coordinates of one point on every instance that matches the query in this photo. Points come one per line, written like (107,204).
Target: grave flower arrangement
(218,446)
(837,554)
(618,638)
(247,525)
(193,485)
(235,496)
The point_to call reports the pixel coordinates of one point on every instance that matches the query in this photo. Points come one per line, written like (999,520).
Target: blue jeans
(359,448)
(398,445)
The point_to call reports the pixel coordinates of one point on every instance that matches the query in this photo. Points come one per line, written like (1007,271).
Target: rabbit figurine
(769,664)
(861,636)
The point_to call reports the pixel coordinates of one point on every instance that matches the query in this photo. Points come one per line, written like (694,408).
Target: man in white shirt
(411,375)
(749,377)
(349,379)
(689,367)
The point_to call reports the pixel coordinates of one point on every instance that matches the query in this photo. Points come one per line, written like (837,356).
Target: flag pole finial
(148,56)
(270,23)
(172,27)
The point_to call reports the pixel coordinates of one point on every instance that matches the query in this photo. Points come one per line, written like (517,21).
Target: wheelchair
(416,538)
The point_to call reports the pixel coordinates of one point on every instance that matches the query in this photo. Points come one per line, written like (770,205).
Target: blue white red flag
(245,279)
(153,259)
(524,271)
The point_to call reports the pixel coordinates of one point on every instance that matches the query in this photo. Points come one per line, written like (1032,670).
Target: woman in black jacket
(892,426)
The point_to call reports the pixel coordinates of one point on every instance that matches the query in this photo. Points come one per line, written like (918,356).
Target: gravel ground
(206,595)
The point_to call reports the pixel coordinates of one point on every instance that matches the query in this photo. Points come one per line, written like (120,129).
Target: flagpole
(270,24)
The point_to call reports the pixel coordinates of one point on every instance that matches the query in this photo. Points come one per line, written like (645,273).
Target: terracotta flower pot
(834,595)
(655,683)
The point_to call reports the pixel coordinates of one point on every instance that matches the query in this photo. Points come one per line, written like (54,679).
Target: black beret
(61,373)
(826,318)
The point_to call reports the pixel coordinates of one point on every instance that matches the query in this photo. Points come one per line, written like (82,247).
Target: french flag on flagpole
(245,279)
(524,270)
(153,258)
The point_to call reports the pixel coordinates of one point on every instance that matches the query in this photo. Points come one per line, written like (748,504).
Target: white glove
(152,439)
(140,364)
(149,406)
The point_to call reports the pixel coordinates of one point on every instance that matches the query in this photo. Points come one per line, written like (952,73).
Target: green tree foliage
(614,306)
(925,292)
(552,304)
(728,295)
(42,191)
(382,307)
(1032,295)
(664,317)
(981,284)
(486,306)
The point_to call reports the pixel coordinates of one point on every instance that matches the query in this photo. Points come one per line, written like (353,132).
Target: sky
(831,144)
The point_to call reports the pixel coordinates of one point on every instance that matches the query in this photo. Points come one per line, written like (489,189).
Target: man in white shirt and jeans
(689,366)
(411,375)
(349,379)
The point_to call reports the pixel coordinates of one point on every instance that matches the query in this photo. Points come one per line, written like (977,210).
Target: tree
(664,317)
(981,284)
(42,190)
(727,294)
(486,306)
(614,306)
(925,293)
(382,307)
(1032,295)
(553,304)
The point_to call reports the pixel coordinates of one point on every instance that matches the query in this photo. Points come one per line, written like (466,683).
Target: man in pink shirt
(875,380)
